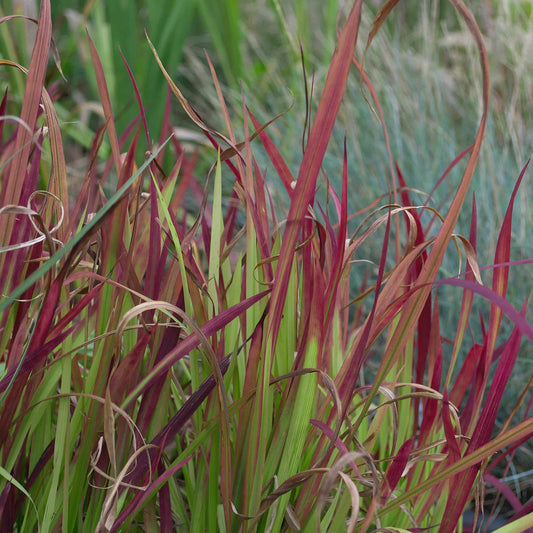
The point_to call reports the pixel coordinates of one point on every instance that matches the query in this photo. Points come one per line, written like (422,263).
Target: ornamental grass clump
(177,360)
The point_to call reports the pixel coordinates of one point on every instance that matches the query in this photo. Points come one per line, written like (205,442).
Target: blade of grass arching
(8,477)
(78,237)
(379,19)
(192,342)
(312,160)
(495,299)
(10,47)
(415,305)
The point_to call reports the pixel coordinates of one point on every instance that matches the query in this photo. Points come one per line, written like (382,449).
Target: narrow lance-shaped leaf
(12,185)
(312,159)
(106,103)
(500,276)
(415,305)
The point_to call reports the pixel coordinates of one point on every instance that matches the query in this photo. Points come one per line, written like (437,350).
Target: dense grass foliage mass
(180,351)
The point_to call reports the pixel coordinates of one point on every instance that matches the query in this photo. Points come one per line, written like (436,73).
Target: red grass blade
(415,305)
(396,469)
(106,103)
(312,160)
(500,275)
(30,109)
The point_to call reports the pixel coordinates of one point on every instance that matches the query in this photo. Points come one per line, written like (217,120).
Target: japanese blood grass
(206,383)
